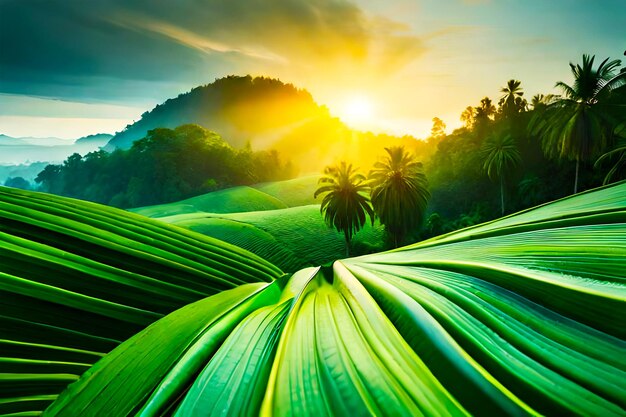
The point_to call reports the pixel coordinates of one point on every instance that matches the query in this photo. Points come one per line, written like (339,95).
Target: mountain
(10,141)
(238,108)
(25,150)
(6,140)
(100,139)
(268,113)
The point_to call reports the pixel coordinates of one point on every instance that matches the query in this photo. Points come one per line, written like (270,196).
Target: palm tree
(501,154)
(346,204)
(399,192)
(485,111)
(576,126)
(512,100)
(538,101)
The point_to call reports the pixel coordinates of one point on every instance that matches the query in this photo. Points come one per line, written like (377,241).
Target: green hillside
(265,196)
(77,278)
(278,221)
(237,107)
(293,193)
(231,200)
(290,238)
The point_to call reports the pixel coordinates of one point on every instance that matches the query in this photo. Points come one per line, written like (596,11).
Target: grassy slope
(290,238)
(231,200)
(257,219)
(91,277)
(294,193)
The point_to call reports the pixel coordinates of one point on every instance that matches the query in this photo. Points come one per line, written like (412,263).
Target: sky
(69,68)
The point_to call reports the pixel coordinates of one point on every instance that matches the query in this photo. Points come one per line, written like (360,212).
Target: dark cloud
(65,47)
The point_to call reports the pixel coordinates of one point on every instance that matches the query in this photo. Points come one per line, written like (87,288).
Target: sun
(357,109)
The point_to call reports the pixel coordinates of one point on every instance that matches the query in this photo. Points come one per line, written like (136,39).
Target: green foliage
(399,193)
(78,278)
(618,154)
(462,194)
(577,126)
(167,165)
(345,205)
(237,106)
(468,117)
(485,112)
(17,182)
(500,153)
(483,321)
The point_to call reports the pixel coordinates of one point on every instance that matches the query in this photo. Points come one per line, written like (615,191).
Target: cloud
(55,47)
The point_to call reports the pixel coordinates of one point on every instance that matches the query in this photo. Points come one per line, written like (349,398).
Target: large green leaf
(520,316)
(77,278)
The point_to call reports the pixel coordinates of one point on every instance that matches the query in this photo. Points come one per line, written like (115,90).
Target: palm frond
(483,321)
(77,279)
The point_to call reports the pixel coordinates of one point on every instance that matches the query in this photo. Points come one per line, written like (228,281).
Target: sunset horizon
(414,60)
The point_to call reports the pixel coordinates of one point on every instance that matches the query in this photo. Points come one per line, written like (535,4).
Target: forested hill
(239,108)
(268,114)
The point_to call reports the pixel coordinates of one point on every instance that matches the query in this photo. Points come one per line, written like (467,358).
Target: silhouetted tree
(483,115)
(540,101)
(512,100)
(399,193)
(468,117)
(345,205)
(439,128)
(485,111)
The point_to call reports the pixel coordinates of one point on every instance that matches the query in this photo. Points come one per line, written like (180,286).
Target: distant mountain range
(24,150)
(100,139)
(9,141)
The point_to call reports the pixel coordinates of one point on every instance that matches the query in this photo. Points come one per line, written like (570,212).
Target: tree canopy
(167,165)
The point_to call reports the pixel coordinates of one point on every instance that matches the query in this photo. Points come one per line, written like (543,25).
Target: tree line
(534,152)
(515,153)
(167,165)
